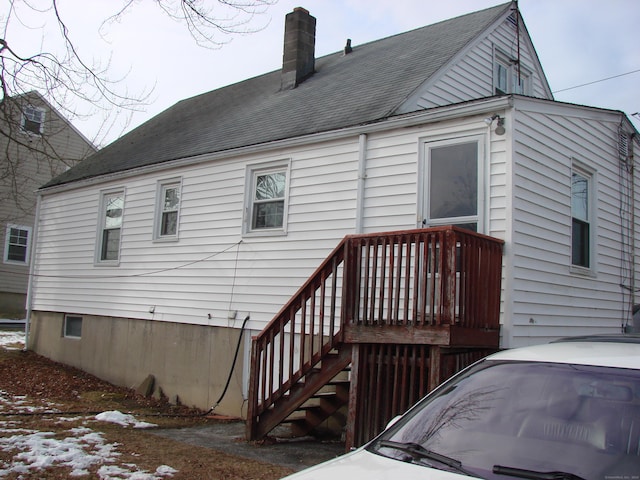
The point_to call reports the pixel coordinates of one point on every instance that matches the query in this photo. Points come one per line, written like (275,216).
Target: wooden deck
(390,315)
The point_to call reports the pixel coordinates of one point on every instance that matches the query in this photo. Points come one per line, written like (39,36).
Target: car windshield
(505,420)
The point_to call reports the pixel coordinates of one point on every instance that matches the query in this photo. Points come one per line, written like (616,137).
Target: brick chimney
(298,59)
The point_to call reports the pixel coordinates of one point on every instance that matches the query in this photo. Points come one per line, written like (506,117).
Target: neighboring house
(37,144)
(152,255)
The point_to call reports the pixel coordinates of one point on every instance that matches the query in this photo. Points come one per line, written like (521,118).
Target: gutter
(423,117)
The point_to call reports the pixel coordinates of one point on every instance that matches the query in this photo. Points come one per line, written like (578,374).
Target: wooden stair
(403,309)
(284,410)
(328,402)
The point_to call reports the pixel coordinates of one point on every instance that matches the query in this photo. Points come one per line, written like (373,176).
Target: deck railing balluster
(430,287)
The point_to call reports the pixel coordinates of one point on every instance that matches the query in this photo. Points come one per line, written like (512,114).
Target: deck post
(353,411)
(435,366)
(252,403)
(449,278)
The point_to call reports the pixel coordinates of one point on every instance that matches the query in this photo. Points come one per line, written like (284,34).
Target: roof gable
(366,85)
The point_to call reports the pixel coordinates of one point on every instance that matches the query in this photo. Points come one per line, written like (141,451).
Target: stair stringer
(332,364)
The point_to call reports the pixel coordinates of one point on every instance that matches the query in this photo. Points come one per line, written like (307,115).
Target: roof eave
(437,114)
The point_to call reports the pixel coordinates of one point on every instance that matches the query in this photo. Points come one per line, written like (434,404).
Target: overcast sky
(578,42)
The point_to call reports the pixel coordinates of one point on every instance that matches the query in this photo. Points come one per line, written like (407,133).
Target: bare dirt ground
(43,402)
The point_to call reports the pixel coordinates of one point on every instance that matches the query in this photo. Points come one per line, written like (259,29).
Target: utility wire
(596,81)
(133,275)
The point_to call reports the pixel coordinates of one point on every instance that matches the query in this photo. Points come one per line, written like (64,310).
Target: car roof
(621,351)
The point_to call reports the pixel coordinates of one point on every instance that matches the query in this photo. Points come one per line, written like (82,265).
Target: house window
(267,199)
(453,184)
(110,222)
(33,120)
(16,248)
(509,76)
(581,218)
(72,326)
(502,78)
(167,210)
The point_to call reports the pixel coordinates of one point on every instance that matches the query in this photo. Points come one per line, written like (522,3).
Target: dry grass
(44,383)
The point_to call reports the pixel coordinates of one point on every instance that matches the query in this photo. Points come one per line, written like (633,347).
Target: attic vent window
(33,120)
(623,145)
(509,76)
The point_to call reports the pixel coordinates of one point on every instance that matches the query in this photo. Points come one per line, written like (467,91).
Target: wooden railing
(438,286)
(447,279)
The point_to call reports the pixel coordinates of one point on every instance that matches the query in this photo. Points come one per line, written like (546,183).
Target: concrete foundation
(190,363)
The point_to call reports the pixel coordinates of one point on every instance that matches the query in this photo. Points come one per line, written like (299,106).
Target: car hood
(363,465)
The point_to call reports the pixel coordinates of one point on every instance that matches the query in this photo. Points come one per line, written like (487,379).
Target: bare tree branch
(66,79)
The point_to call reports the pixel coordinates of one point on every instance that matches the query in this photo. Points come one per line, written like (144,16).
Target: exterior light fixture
(499,124)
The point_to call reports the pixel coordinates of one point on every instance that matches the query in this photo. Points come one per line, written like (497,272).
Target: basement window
(72,326)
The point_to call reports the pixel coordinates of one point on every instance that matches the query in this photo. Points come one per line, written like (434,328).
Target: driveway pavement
(228,437)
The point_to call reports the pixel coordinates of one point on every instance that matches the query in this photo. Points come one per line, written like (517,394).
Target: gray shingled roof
(366,85)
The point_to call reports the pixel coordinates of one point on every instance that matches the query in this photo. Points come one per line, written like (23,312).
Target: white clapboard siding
(471,76)
(214,269)
(548,298)
(211,269)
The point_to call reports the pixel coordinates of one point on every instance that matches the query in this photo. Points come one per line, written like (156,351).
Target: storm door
(451,192)
(452,183)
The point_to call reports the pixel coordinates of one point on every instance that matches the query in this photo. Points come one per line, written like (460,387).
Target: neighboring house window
(509,77)
(110,222)
(72,326)
(33,120)
(267,198)
(453,186)
(581,220)
(167,210)
(17,241)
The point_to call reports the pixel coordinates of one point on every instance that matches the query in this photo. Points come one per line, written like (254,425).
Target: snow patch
(123,419)
(11,340)
(81,449)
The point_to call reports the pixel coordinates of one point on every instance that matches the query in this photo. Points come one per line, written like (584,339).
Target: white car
(565,410)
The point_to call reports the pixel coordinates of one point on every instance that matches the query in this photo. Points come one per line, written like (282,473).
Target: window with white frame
(17,244)
(33,120)
(581,217)
(72,326)
(167,210)
(267,198)
(453,183)
(110,226)
(510,76)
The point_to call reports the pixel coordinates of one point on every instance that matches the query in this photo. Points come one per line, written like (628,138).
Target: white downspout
(362,175)
(32,263)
